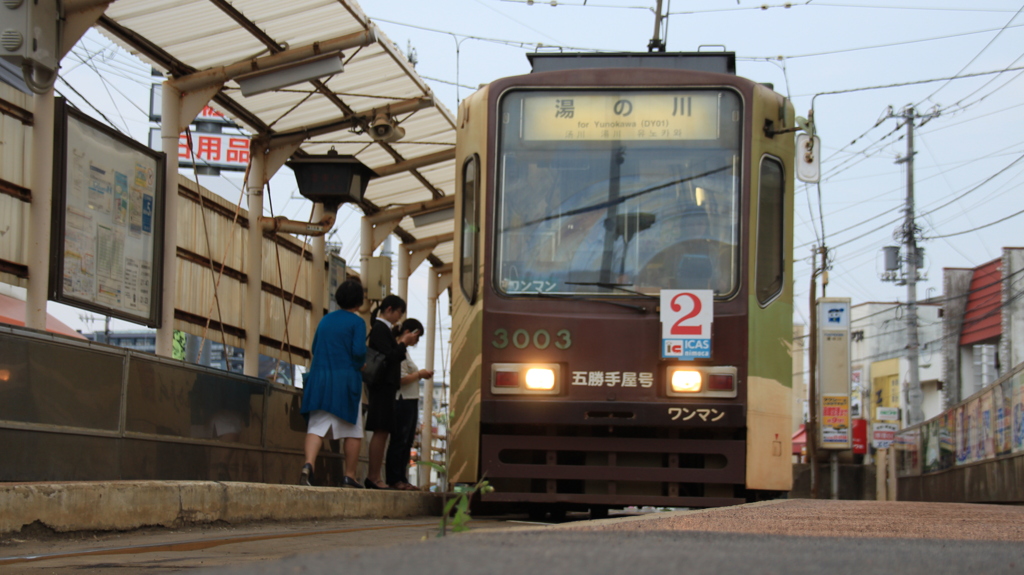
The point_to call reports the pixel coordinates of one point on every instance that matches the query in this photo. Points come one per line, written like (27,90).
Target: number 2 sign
(686,317)
(686,313)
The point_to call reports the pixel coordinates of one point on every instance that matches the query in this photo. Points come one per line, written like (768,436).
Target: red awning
(12,311)
(799,440)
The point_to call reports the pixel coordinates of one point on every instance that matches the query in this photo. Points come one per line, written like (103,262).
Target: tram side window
(470,228)
(770,227)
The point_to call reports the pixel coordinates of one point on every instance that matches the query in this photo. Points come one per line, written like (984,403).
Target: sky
(857,62)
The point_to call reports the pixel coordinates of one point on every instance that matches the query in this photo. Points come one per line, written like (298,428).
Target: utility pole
(811,432)
(909,233)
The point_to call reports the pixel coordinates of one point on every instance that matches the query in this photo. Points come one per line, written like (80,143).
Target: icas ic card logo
(686,317)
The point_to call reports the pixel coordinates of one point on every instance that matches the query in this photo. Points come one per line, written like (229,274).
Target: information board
(108,197)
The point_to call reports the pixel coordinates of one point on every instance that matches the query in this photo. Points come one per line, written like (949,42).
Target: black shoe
(371,485)
(306,477)
(347,481)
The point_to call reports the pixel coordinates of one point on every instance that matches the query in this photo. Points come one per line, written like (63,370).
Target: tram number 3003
(541,339)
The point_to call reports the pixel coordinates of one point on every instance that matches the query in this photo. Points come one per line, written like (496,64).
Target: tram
(586,190)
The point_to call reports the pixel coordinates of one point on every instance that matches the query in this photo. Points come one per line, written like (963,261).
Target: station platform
(126,505)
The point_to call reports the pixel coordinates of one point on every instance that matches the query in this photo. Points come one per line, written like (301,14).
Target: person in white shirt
(403,433)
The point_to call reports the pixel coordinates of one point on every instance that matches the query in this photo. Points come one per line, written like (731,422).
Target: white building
(879,367)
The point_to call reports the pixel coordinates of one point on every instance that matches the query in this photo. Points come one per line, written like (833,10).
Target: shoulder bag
(373,366)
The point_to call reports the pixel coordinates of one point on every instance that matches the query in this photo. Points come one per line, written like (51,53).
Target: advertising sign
(835,421)
(962,422)
(1003,404)
(686,317)
(860,436)
(107,220)
(224,151)
(887,414)
(834,373)
(883,434)
(1017,412)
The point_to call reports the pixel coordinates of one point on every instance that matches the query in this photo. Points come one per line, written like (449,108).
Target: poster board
(106,248)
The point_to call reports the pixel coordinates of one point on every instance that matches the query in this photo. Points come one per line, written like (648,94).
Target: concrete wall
(955,284)
(1012,343)
(72,410)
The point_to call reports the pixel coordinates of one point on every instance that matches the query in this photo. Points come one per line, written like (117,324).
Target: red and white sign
(686,313)
(860,436)
(883,434)
(686,317)
(225,151)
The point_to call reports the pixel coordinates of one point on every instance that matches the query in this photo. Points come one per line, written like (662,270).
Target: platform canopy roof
(182,37)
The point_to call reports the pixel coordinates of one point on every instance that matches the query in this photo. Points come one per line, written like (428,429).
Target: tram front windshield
(605,192)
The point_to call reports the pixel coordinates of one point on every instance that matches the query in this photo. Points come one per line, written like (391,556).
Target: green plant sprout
(459,502)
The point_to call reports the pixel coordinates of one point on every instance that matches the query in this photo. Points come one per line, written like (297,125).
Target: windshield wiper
(638,308)
(620,287)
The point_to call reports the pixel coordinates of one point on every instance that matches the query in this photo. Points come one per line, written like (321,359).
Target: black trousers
(403,433)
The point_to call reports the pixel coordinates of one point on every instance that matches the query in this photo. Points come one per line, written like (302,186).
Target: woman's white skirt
(322,423)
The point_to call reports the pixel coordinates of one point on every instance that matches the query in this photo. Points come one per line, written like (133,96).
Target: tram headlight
(525,378)
(686,381)
(540,378)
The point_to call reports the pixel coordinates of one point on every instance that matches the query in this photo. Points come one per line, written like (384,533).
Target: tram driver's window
(470,225)
(770,226)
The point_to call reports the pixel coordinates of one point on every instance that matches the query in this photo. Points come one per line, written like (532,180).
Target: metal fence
(978,443)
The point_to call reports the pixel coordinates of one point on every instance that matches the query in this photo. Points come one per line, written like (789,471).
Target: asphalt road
(649,552)
(784,537)
(779,537)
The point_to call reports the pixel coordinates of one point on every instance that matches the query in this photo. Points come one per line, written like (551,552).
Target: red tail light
(506,379)
(720,382)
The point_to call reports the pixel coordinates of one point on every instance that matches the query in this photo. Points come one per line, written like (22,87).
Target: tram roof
(186,36)
(720,62)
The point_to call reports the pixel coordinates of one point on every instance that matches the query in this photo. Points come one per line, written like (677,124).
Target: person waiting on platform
(333,386)
(396,463)
(381,416)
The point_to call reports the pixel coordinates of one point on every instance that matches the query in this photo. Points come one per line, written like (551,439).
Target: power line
(808,4)
(990,224)
(513,43)
(888,45)
(912,82)
(925,213)
(976,56)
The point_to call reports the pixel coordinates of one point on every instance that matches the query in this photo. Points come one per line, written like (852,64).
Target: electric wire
(974,59)
(990,224)
(888,45)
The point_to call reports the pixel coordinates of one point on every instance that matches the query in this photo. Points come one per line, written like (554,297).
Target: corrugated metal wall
(16,143)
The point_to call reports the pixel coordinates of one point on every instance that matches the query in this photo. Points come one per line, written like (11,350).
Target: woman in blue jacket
(333,386)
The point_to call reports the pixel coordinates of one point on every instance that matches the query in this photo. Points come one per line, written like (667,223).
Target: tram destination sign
(621,116)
